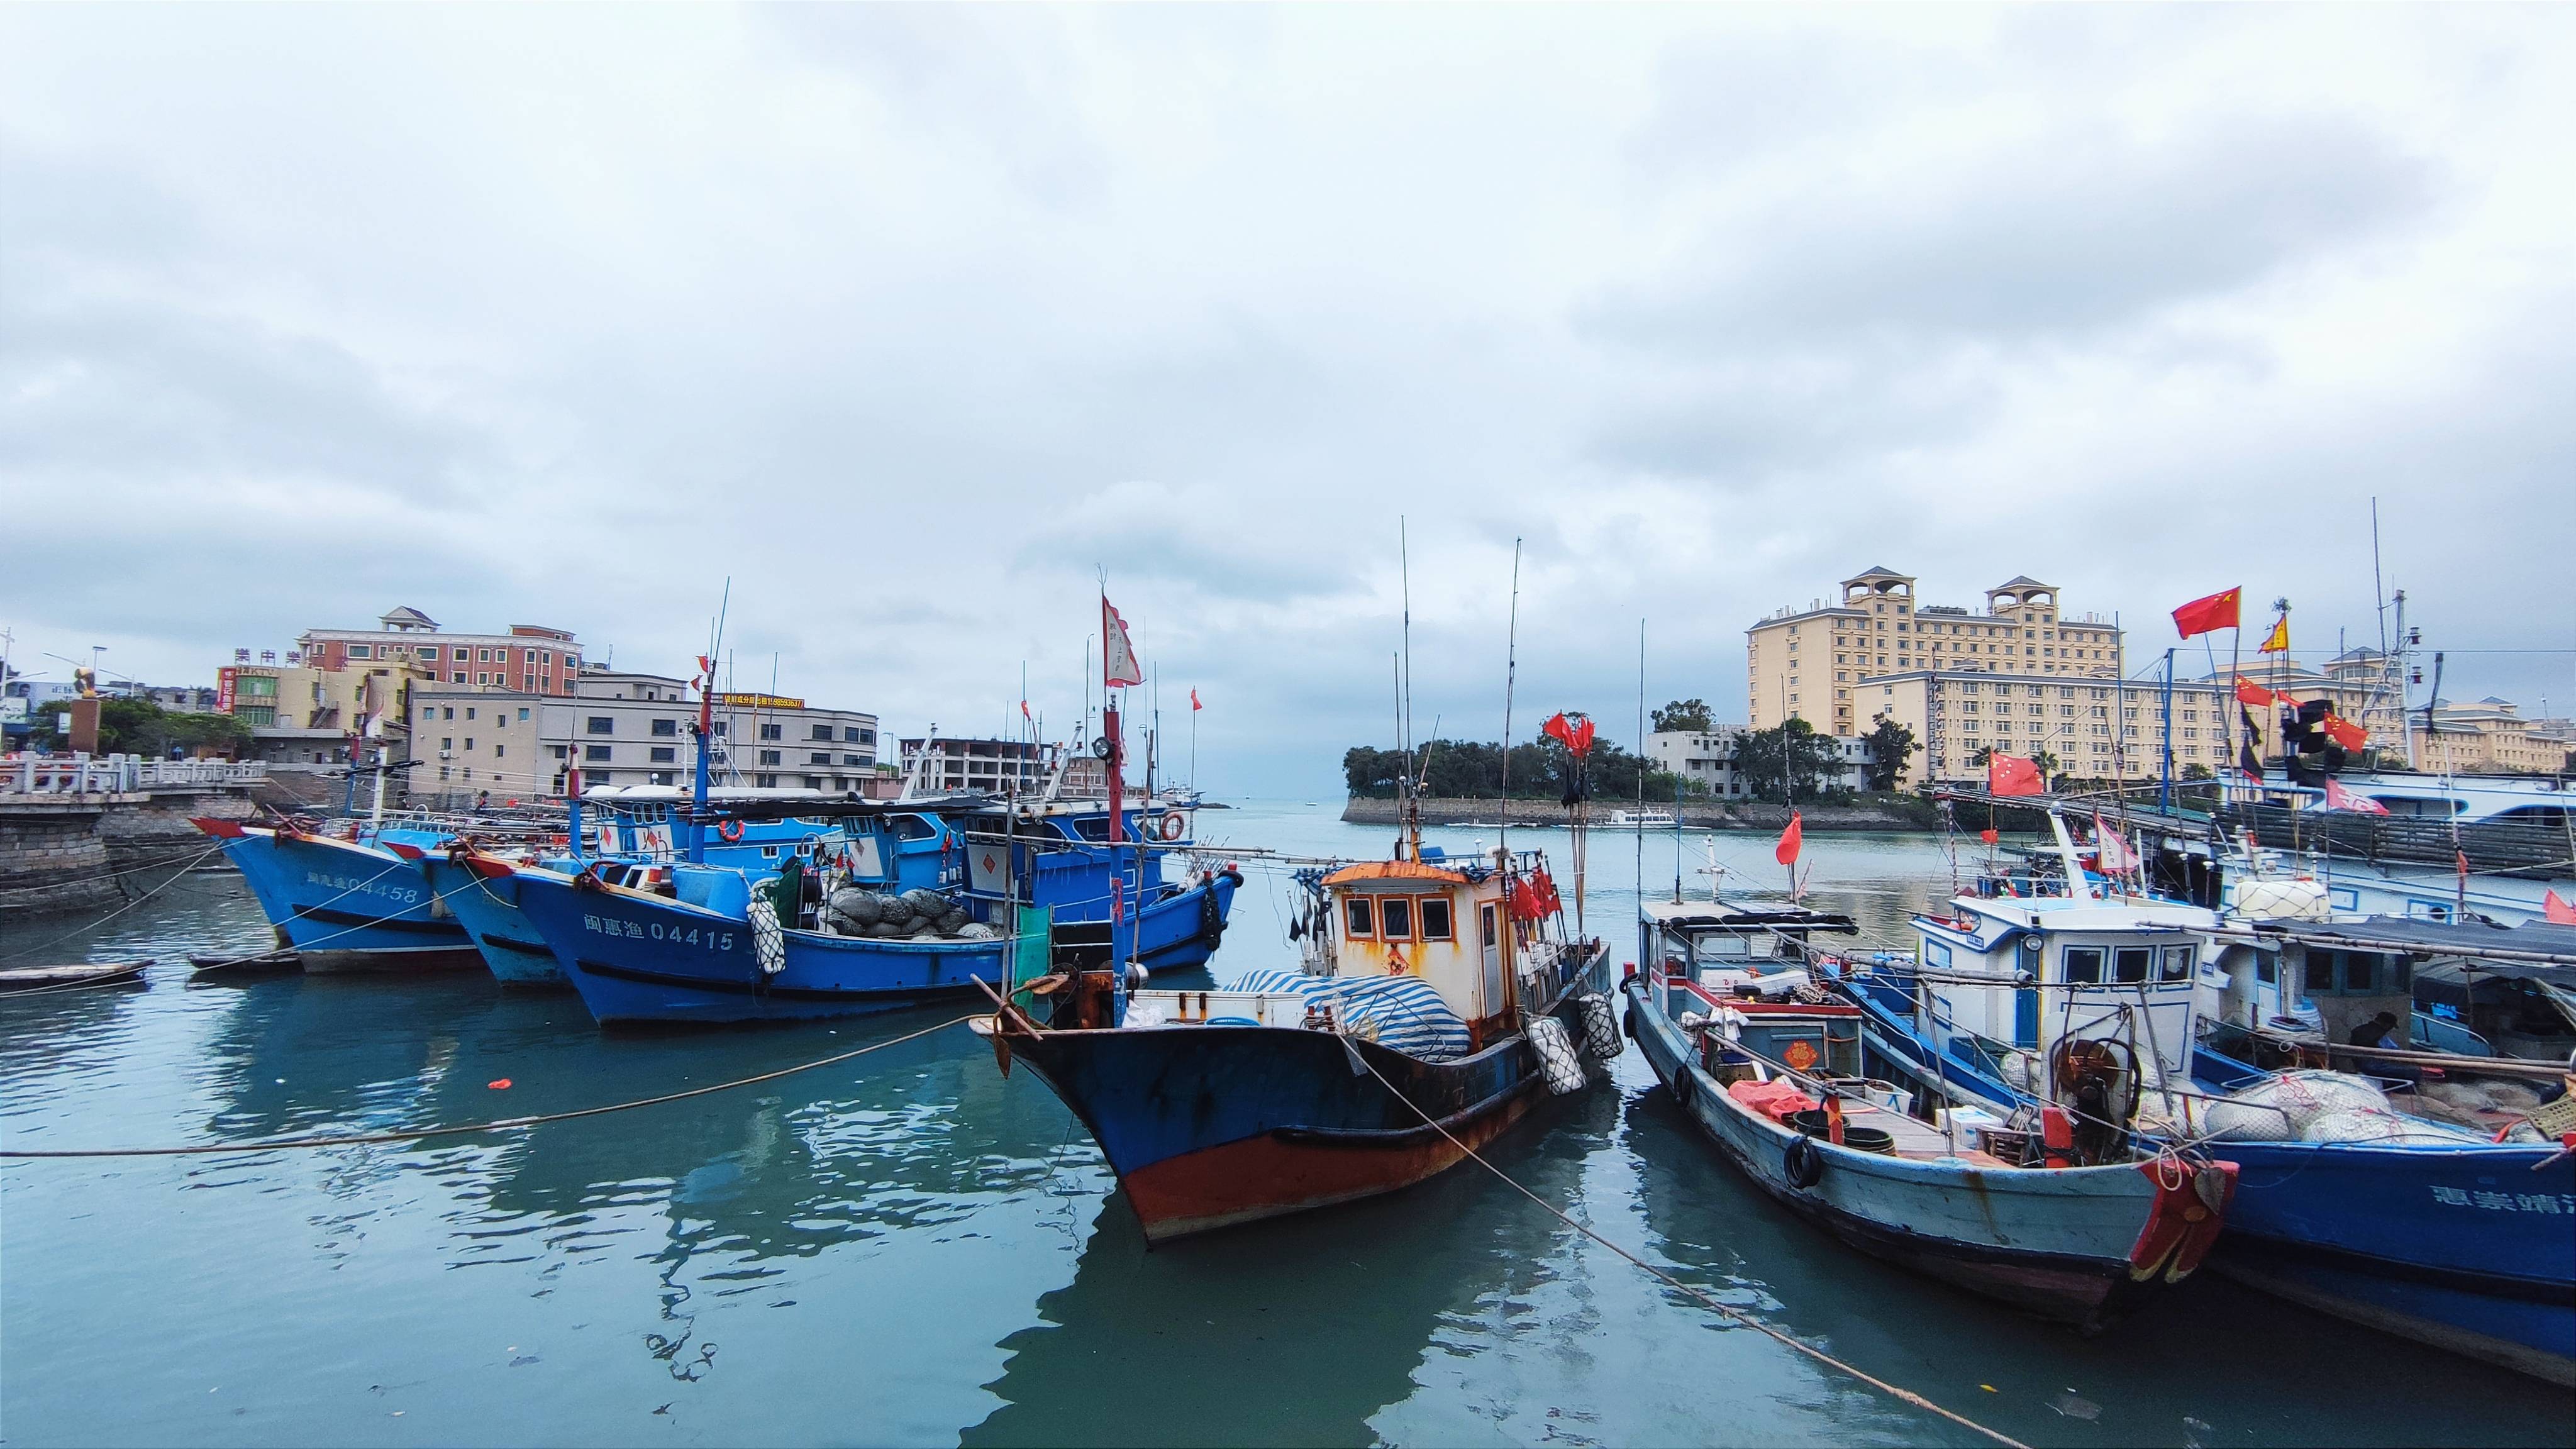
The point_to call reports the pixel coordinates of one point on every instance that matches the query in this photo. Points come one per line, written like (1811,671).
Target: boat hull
(2058,1244)
(348,907)
(2469,1248)
(488,908)
(1212,1126)
(640,958)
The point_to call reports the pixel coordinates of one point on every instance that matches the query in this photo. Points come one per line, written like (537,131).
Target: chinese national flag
(2248,692)
(2345,733)
(2218,611)
(2013,775)
(1786,852)
(2556,911)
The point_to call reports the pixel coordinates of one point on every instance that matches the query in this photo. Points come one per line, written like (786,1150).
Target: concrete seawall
(63,852)
(1748,816)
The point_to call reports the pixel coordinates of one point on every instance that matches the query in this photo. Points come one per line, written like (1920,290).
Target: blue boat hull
(1209,1126)
(488,908)
(2468,1248)
(636,957)
(345,906)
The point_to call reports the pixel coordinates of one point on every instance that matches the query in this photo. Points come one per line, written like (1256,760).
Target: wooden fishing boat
(1773,1079)
(79,973)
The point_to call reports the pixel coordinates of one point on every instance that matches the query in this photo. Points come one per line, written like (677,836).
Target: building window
(499,750)
(594,754)
(771,731)
(469,742)
(769,757)
(662,777)
(523,715)
(665,755)
(822,732)
(854,759)
(600,724)
(469,711)
(819,757)
(813,782)
(666,728)
(429,654)
(765,782)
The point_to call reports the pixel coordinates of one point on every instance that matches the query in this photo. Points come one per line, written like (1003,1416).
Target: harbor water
(909,1248)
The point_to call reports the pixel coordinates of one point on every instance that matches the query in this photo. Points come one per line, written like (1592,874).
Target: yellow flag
(2278,641)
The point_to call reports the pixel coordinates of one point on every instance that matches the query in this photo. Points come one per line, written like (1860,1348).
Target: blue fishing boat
(347,902)
(2356,1195)
(1770,1072)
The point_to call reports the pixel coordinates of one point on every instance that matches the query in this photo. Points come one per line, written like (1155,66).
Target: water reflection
(1299,1330)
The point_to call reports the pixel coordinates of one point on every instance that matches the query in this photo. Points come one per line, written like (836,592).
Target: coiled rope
(1901,1395)
(498,1124)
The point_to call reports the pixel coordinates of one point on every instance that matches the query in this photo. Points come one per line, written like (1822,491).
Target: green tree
(1772,761)
(1684,714)
(1891,746)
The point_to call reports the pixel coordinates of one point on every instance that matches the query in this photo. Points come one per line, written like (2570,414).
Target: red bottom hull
(1286,1172)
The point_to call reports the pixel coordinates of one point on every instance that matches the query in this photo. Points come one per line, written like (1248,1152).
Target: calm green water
(910,1249)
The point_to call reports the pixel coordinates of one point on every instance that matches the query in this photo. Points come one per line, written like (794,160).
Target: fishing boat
(1435,995)
(347,901)
(846,924)
(77,974)
(1438,1000)
(2353,1195)
(2428,1193)
(1767,1063)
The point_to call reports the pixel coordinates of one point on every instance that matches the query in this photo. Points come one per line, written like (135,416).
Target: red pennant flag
(1786,852)
(1574,731)
(2555,911)
(2339,798)
(1194,701)
(2013,775)
(1989,835)
(2255,695)
(2218,611)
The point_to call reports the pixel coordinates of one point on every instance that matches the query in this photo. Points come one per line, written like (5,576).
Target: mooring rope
(1901,1395)
(498,1124)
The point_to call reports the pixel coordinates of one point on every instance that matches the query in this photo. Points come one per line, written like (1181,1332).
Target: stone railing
(32,774)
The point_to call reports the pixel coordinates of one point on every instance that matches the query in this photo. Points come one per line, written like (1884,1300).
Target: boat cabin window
(2084,963)
(1485,926)
(2267,967)
(1936,954)
(2129,963)
(1359,917)
(2321,970)
(1395,918)
(2177,963)
(912,827)
(1435,919)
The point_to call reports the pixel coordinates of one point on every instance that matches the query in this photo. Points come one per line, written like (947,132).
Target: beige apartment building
(2093,727)
(1811,663)
(2490,737)
(306,709)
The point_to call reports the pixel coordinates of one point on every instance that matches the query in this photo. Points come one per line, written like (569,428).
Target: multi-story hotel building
(2093,727)
(1809,663)
(305,710)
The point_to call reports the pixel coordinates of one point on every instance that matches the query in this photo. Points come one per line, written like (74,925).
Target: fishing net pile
(914,914)
(2317,1106)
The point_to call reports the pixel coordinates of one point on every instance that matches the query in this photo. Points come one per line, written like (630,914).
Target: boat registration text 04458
(707,937)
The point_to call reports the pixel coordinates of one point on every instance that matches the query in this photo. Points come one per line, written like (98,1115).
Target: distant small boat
(258,963)
(1642,819)
(84,973)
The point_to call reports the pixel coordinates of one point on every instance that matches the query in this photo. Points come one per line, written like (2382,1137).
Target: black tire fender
(1628,1022)
(1682,1086)
(1803,1164)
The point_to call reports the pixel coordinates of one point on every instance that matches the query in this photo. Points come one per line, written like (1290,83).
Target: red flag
(2013,775)
(2345,733)
(1989,835)
(1786,852)
(2339,798)
(1575,731)
(2250,693)
(1194,701)
(2218,611)
(1024,712)
(2555,911)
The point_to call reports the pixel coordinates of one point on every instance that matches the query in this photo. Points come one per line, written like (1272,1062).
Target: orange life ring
(1174,827)
(730,831)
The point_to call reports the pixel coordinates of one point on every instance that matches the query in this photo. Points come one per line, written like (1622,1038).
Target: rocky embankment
(1892,814)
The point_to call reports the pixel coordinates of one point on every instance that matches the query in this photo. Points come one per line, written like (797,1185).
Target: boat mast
(1410,846)
(706,729)
(1511,675)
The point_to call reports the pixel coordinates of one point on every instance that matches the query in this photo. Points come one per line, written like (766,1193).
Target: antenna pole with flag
(1118,670)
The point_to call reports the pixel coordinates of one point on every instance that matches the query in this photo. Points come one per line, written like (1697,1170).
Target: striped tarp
(1402,1013)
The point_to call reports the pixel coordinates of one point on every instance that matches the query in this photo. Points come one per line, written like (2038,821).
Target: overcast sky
(913,320)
